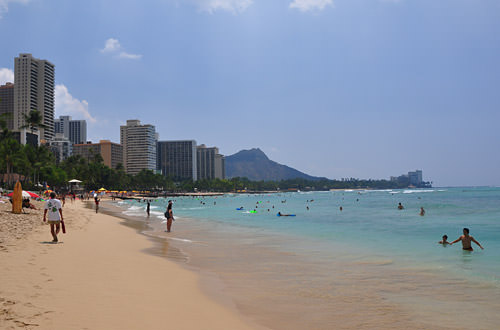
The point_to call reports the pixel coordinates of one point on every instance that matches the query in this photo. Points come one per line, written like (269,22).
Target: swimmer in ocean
(422,211)
(400,206)
(466,241)
(444,241)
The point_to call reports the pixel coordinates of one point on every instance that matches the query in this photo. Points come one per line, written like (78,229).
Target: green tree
(33,120)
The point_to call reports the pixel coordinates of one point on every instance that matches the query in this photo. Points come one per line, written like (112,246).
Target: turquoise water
(379,265)
(369,226)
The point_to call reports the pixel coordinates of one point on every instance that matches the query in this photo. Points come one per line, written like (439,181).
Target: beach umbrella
(102,189)
(46,192)
(26,194)
(33,195)
(75,181)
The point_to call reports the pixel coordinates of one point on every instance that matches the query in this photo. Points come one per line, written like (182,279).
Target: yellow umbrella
(102,189)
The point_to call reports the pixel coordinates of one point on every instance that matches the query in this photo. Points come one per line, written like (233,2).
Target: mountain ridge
(256,166)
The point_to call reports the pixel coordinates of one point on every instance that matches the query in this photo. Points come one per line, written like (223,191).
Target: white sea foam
(180,239)
(418,191)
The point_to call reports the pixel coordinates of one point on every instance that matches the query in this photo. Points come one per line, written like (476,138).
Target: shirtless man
(466,241)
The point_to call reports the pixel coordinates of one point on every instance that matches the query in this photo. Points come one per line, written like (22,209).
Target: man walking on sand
(466,241)
(53,207)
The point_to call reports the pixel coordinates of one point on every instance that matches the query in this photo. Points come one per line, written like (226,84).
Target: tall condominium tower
(210,163)
(7,103)
(74,130)
(139,146)
(177,159)
(34,90)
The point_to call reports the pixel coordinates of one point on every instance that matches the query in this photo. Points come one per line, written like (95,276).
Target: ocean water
(369,260)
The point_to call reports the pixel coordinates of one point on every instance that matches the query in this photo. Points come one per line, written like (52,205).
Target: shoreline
(98,277)
(262,273)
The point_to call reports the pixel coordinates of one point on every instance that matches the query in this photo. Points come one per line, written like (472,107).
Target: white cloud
(66,104)
(112,46)
(6,75)
(129,56)
(233,6)
(309,5)
(4,5)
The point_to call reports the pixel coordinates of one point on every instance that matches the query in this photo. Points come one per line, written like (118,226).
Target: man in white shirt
(53,207)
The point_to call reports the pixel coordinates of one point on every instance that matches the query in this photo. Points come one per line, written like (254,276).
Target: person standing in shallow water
(466,241)
(148,207)
(170,216)
(422,212)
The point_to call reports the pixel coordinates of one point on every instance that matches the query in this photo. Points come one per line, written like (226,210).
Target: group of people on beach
(53,207)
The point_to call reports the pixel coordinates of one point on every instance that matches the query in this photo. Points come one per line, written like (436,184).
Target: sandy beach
(97,277)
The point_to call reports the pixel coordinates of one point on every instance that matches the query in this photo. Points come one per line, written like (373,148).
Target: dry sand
(97,277)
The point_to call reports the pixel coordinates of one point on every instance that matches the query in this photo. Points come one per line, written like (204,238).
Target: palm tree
(10,156)
(5,132)
(34,121)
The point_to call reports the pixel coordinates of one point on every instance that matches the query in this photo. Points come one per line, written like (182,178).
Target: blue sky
(346,88)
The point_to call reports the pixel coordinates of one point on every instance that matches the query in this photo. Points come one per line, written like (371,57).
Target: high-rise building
(112,153)
(415,178)
(60,147)
(177,159)
(34,90)
(74,130)
(7,103)
(139,146)
(210,163)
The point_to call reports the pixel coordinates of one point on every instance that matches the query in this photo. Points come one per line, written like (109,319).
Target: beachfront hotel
(210,163)
(139,146)
(73,130)
(7,103)
(34,81)
(111,153)
(177,159)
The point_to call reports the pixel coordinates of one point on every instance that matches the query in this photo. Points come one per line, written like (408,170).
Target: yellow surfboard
(17,199)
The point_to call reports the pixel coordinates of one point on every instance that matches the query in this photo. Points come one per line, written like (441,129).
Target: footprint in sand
(25,324)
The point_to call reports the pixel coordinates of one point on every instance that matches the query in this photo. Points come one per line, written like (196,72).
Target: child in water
(444,241)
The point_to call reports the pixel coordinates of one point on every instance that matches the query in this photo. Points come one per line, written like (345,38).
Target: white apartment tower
(139,146)
(34,90)
(74,130)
